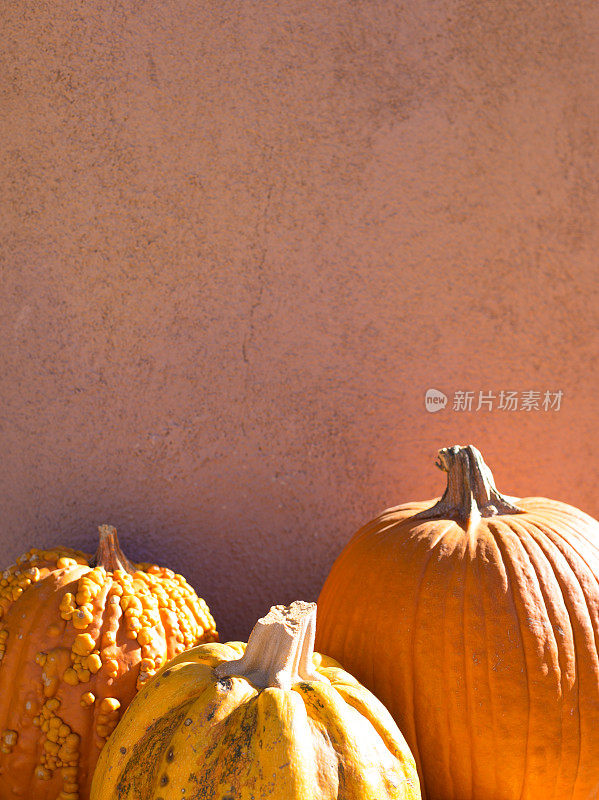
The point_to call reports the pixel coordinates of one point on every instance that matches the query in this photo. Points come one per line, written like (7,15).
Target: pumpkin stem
(279,650)
(109,554)
(471,492)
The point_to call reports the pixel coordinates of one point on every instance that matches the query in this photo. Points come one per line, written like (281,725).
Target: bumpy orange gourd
(78,637)
(279,723)
(489,610)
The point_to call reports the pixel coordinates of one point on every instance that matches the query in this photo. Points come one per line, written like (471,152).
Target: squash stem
(279,650)
(109,554)
(471,492)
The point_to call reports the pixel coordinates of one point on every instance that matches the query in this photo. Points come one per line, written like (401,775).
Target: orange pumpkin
(489,608)
(78,637)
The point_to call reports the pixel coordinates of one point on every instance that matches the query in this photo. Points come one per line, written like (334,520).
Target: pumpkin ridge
(490,683)
(103,607)
(394,516)
(364,635)
(560,511)
(48,593)
(292,703)
(584,546)
(538,538)
(352,696)
(461,540)
(542,541)
(324,701)
(354,613)
(566,553)
(229,734)
(19,644)
(412,660)
(533,531)
(322,743)
(524,528)
(569,545)
(149,745)
(449,767)
(166,623)
(17,660)
(315,710)
(508,567)
(468,690)
(579,672)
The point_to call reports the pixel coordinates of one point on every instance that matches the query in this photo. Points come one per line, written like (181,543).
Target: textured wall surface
(239,242)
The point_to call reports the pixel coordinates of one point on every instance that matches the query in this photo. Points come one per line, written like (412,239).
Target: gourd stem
(109,554)
(279,650)
(471,492)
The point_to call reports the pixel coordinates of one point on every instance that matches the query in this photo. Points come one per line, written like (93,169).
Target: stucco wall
(240,241)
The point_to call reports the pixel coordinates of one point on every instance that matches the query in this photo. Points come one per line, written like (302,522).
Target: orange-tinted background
(240,241)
